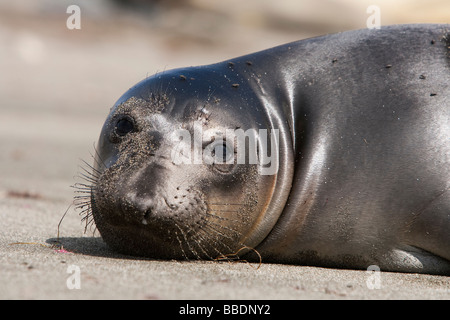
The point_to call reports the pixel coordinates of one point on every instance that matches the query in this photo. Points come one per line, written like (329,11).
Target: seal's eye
(124,126)
(221,153)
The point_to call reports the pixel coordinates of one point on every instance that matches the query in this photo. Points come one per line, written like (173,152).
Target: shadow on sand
(91,246)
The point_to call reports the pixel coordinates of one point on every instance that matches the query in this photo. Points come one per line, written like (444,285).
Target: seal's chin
(165,233)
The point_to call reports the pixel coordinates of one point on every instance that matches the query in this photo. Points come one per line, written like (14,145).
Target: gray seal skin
(364,156)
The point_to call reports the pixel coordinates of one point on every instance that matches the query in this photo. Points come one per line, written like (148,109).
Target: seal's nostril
(171,206)
(146,216)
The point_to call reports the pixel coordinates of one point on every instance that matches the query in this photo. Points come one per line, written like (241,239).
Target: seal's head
(171,178)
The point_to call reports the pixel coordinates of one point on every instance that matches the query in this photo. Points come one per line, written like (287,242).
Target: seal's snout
(133,211)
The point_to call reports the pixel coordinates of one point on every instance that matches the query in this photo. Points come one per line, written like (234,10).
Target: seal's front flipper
(416,260)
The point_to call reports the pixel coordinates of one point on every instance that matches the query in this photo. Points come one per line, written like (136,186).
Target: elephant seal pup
(352,143)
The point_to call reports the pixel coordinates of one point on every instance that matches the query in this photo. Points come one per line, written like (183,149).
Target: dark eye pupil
(225,153)
(221,151)
(124,126)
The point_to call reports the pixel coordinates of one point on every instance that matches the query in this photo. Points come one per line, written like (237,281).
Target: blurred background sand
(57,85)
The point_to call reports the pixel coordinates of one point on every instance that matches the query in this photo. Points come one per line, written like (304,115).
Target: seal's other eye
(124,126)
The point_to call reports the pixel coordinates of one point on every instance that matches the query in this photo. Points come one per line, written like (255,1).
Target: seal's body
(363,156)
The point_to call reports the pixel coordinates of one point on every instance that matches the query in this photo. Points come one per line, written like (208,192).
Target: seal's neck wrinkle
(268,96)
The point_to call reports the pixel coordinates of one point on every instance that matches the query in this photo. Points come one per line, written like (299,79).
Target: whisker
(83,192)
(211,239)
(198,243)
(187,242)
(99,161)
(95,229)
(89,222)
(60,221)
(88,172)
(82,207)
(81,203)
(82,198)
(220,243)
(90,178)
(230,204)
(209,214)
(220,232)
(226,228)
(181,245)
(216,217)
(236,258)
(91,167)
(84,211)
(82,186)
